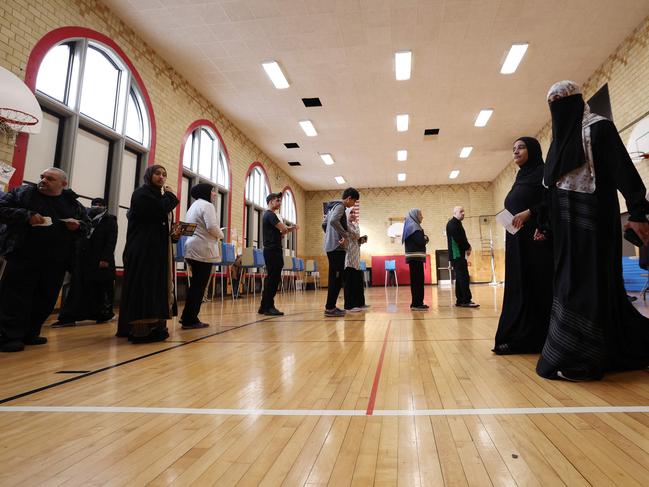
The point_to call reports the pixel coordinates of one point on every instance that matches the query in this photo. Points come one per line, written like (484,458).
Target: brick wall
(176,104)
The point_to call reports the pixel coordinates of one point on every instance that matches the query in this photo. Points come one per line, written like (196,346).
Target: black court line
(378,319)
(125,362)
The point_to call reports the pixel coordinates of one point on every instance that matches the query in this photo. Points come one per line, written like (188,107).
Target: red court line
(377,376)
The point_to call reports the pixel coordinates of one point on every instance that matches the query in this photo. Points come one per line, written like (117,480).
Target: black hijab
(202,191)
(531,172)
(566,150)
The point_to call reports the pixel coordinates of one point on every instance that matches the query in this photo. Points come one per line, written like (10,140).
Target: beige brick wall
(176,104)
(379,205)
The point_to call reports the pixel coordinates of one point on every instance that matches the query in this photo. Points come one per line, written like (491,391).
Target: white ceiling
(342,51)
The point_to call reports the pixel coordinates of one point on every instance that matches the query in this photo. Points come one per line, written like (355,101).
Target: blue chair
(179,258)
(311,269)
(298,268)
(363,269)
(391,266)
(227,259)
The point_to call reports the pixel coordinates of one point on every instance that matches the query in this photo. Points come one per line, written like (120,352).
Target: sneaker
(334,313)
(34,340)
(61,324)
(365,306)
(273,312)
(575,375)
(470,304)
(423,307)
(9,346)
(194,326)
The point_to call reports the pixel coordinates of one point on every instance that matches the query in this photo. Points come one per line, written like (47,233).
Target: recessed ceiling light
(466,152)
(327,159)
(402,65)
(401,176)
(402,155)
(483,117)
(514,58)
(308,128)
(275,74)
(340,179)
(454,174)
(402,122)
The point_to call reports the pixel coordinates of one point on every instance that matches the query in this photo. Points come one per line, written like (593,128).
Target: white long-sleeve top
(204,245)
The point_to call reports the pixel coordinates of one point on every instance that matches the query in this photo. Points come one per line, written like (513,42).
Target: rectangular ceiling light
(403,65)
(466,152)
(483,117)
(402,155)
(402,122)
(401,176)
(454,174)
(340,179)
(308,128)
(514,58)
(275,74)
(327,159)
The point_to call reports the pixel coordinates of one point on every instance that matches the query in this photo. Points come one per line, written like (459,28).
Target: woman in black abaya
(525,315)
(147,292)
(593,327)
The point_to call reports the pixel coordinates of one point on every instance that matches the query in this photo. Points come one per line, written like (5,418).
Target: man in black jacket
(93,277)
(38,229)
(458,250)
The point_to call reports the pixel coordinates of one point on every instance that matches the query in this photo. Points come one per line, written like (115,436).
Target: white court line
(324,412)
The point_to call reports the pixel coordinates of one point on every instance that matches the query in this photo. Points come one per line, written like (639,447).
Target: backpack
(327,207)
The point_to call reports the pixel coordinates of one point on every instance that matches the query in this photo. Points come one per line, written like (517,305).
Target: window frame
(256,182)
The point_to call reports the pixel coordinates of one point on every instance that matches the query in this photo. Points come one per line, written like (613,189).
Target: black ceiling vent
(431,131)
(312,102)
(294,163)
(291,145)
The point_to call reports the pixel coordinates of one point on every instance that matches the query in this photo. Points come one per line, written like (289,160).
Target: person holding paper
(458,251)
(147,288)
(39,229)
(415,241)
(594,328)
(527,300)
(202,251)
(354,289)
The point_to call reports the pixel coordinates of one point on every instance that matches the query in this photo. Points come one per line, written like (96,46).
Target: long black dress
(146,286)
(593,326)
(527,300)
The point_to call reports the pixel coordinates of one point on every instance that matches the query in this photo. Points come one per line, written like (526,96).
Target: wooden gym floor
(386,397)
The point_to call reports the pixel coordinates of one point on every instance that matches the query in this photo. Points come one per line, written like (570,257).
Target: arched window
(256,191)
(205,161)
(96,124)
(288,212)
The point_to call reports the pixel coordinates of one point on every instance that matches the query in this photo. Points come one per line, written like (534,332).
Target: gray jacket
(335,229)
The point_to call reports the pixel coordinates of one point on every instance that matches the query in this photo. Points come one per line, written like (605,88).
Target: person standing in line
(92,286)
(273,229)
(202,251)
(527,300)
(354,291)
(147,288)
(39,226)
(458,251)
(415,241)
(336,237)
(594,328)
(235,276)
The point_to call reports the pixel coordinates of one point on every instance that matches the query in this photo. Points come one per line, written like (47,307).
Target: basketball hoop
(21,112)
(13,121)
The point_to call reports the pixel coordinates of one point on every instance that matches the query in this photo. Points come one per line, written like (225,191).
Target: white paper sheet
(505,219)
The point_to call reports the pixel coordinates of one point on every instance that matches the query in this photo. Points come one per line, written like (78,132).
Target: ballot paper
(46,223)
(505,219)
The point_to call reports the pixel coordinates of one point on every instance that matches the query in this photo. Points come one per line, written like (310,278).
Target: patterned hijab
(571,121)
(412,224)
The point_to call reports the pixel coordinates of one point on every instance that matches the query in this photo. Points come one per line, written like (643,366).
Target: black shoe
(194,326)
(62,324)
(261,311)
(105,319)
(34,340)
(273,312)
(9,346)
(576,375)
(422,307)
(632,298)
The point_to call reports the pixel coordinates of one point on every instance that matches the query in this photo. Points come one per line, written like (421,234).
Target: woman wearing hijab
(593,327)
(354,289)
(415,241)
(525,315)
(201,251)
(147,289)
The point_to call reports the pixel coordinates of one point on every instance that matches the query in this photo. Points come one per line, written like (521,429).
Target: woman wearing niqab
(593,328)
(523,324)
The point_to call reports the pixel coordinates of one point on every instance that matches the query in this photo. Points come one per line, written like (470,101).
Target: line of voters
(564,295)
